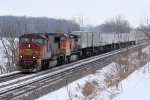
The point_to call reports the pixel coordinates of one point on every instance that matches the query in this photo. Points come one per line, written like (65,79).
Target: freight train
(38,51)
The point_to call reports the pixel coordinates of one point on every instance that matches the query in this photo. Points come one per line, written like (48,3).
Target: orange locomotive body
(39,51)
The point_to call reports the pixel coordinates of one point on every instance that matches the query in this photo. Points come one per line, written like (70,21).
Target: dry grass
(118,72)
(88,88)
(124,65)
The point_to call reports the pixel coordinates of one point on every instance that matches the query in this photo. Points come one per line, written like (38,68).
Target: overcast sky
(94,11)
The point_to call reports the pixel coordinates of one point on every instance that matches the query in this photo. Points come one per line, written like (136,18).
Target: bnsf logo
(29,52)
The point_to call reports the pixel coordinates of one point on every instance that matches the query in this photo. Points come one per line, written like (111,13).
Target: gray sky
(94,11)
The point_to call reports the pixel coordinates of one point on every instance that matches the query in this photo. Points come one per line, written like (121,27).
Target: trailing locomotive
(38,51)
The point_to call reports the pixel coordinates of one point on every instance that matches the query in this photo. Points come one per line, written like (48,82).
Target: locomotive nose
(29,51)
(29,54)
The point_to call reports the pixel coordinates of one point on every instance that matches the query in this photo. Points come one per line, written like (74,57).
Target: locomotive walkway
(35,85)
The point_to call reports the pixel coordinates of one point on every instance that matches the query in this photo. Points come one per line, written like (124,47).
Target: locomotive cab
(31,50)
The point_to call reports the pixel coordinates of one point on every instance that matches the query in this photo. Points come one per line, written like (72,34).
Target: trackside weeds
(110,86)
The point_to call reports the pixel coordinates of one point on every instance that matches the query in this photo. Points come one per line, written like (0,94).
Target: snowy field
(135,87)
(74,90)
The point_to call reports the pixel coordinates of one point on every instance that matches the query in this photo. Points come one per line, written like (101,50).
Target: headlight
(33,57)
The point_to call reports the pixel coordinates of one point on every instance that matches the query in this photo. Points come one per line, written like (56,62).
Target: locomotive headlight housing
(33,57)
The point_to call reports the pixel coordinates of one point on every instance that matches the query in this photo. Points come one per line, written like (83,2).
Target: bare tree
(82,21)
(41,26)
(117,24)
(23,25)
(9,30)
(58,25)
(145,27)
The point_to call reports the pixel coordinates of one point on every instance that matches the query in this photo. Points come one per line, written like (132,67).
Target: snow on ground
(7,74)
(135,87)
(74,89)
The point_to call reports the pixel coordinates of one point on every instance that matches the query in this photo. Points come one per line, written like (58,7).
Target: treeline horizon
(12,26)
(16,25)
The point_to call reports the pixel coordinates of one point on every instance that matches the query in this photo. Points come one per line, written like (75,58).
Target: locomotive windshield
(39,41)
(28,40)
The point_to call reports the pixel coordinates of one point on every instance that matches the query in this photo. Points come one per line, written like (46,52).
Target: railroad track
(53,76)
(10,76)
(17,76)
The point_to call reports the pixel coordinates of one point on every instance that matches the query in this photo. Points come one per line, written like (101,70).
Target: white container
(84,40)
(96,39)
